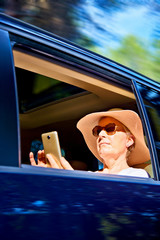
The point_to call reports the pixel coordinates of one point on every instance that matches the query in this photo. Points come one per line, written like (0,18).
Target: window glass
(151,98)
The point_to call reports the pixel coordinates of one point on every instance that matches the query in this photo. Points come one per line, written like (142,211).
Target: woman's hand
(49,162)
(41,160)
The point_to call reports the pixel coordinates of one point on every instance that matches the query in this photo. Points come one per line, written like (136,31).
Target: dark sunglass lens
(99,129)
(96,130)
(110,131)
(110,128)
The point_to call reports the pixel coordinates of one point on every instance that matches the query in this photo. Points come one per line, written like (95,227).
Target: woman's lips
(104,143)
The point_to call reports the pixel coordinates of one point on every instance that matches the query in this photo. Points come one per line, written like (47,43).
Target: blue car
(48,83)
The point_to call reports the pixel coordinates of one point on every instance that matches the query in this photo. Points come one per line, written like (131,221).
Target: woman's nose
(103,133)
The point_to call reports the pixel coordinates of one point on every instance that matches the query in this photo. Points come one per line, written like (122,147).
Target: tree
(134,54)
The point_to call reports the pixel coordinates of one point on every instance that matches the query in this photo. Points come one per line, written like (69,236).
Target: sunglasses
(110,129)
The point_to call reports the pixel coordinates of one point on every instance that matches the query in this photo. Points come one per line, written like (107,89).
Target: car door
(63,204)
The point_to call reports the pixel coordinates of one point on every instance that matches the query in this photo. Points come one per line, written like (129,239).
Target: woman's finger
(65,164)
(41,155)
(32,160)
(52,161)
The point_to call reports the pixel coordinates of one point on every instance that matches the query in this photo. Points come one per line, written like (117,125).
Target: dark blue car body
(39,203)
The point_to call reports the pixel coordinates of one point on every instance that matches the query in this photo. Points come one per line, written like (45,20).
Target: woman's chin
(105,154)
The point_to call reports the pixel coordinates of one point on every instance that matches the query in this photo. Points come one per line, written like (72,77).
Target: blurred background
(126,31)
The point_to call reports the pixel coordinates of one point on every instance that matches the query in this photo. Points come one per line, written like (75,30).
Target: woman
(115,138)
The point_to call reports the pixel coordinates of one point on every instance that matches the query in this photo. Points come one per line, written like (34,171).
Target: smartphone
(51,145)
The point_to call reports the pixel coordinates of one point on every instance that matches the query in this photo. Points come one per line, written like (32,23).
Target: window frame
(134,95)
(147,129)
(10,130)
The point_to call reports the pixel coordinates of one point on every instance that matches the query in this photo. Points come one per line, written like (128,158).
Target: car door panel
(52,205)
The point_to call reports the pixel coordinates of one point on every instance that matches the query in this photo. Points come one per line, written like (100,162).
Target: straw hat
(130,119)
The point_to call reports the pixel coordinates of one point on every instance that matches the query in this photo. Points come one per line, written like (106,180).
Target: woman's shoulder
(134,172)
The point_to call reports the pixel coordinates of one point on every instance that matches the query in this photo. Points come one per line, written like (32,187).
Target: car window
(151,98)
(54,97)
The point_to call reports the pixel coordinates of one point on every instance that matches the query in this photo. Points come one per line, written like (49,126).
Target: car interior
(53,97)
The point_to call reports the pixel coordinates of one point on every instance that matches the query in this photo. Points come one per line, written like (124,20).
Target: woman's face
(112,146)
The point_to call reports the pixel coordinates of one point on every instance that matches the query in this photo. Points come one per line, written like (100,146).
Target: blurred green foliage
(134,54)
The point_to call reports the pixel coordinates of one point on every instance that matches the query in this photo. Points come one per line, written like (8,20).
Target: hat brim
(130,119)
